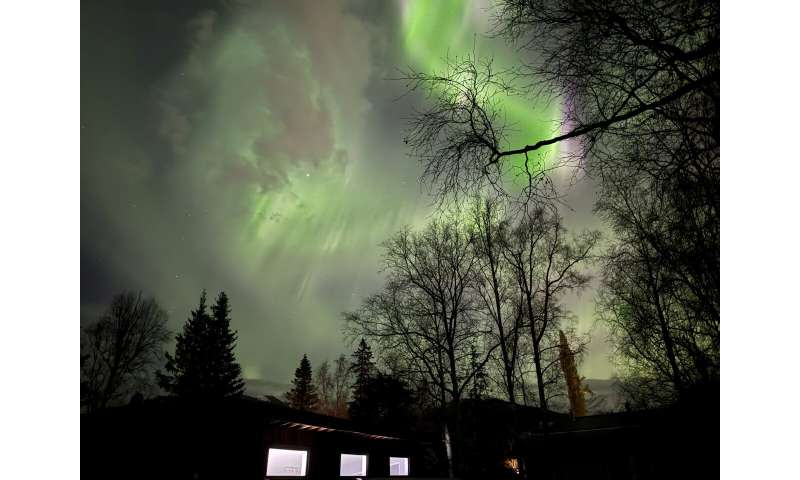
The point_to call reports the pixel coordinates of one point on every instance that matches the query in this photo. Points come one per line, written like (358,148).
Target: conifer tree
(303,394)
(225,374)
(184,376)
(479,384)
(363,367)
(385,403)
(204,365)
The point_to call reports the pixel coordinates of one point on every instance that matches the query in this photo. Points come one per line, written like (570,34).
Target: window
(398,466)
(286,463)
(353,465)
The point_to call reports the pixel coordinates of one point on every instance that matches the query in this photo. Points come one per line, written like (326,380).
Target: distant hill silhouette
(605,399)
(258,388)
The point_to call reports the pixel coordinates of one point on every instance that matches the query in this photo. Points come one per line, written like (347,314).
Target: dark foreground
(169,439)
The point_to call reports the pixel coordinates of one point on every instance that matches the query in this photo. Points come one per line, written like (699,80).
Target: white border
(40,240)
(760,240)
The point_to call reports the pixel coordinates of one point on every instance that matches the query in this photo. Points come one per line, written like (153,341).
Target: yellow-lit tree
(575,388)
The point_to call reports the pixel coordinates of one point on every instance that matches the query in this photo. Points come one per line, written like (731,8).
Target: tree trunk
(449,451)
(498,302)
(669,345)
(510,384)
(537,362)
(537,357)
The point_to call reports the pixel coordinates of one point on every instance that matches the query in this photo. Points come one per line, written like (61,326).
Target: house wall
(325,449)
(178,442)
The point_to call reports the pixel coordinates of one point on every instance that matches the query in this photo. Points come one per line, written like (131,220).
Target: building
(254,439)
(504,441)
(242,439)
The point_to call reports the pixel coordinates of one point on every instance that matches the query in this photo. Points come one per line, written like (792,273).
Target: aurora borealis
(257,148)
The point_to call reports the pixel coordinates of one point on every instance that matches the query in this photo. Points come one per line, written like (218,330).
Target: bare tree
(615,67)
(546,265)
(660,290)
(437,269)
(121,350)
(461,137)
(325,389)
(342,383)
(665,343)
(427,311)
(638,83)
(393,320)
(496,289)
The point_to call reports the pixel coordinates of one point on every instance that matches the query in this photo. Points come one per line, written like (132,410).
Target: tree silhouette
(121,349)
(479,386)
(341,383)
(342,376)
(619,68)
(225,373)
(363,368)
(639,83)
(384,402)
(426,311)
(546,264)
(496,288)
(660,289)
(303,394)
(575,388)
(184,375)
(325,388)
(204,364)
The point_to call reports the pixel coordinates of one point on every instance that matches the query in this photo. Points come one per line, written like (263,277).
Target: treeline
(325,391)
(123,360)
(638,86)
(123,357)
(355,389)
(472,305)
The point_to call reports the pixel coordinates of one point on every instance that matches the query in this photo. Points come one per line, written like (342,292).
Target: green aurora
(257,148)
(436,31)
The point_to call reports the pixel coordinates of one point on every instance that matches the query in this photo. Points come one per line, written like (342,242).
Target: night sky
(257,148)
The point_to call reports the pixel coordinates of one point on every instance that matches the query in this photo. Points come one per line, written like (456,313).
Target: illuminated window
(353,465)
(398,466)
(286,463)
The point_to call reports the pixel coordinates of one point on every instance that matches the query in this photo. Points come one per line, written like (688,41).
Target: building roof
(266,412)
(316,428)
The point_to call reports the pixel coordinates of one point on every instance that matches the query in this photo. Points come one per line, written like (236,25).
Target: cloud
(250,161)
(248,146)
(243,106)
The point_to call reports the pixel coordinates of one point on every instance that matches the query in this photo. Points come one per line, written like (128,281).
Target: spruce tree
(385,403)
(204,365)
(185,376)
(225,374)
(363,368)
(479,384)
(303,394)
